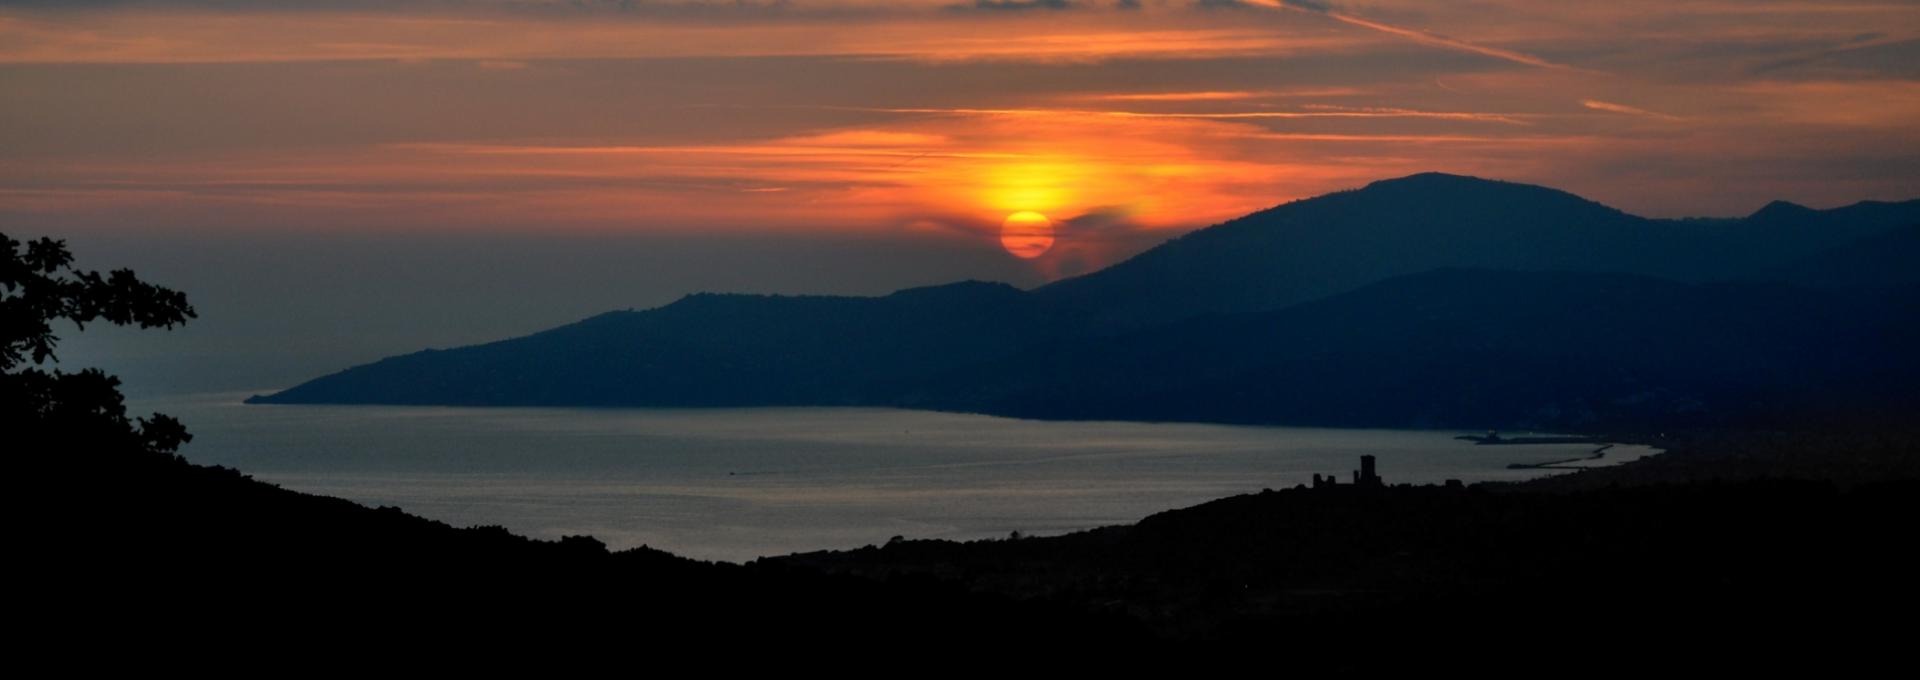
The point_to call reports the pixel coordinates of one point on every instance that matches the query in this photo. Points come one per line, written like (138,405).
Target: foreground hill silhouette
(1430,300)
(1670,567)
(146,539)
(1349,578)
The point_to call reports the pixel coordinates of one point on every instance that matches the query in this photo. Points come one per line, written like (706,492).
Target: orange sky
(900,117)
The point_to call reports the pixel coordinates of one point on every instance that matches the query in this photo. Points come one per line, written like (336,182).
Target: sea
(737,484)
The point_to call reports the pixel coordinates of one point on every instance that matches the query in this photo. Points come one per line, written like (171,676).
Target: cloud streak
(1611,107)
(1413,35)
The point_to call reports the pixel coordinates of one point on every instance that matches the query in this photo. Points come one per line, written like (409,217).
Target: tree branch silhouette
(52,410)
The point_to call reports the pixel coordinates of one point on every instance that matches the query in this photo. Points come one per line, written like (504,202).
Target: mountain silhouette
(1431,299)
(1316,247)
(1466,348)
(711,350)
(1884,260)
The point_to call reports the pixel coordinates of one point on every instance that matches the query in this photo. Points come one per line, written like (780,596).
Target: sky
(341,180)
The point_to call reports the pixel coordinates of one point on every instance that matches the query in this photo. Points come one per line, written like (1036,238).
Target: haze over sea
(735,484)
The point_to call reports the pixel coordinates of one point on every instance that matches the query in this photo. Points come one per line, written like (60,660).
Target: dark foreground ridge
(1664,566)
(1349,576)
(268,569)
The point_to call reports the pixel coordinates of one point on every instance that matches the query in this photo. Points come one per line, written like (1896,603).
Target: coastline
(779,480)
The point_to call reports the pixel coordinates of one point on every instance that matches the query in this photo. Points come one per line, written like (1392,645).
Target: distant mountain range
(1313,248)
(1467,347)
(1429,300)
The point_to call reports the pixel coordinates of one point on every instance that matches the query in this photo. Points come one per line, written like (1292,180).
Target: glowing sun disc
(1026,234)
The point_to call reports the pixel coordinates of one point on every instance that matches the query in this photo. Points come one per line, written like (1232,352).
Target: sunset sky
(866,122)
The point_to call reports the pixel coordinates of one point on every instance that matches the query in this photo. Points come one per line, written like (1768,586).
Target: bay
(735,484)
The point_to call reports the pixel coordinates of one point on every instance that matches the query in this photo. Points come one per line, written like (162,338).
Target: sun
(1026,234)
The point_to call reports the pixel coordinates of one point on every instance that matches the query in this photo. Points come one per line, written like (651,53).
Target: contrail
(1421,37)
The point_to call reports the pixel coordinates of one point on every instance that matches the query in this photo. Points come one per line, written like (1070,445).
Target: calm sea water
(735,484)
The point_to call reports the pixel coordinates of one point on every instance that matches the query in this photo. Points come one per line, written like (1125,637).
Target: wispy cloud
(1415,35)
(1852,45)
(1611,107)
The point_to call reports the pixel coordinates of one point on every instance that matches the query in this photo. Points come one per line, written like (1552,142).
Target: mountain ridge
(1315,247)
(1476,348)
(943,346)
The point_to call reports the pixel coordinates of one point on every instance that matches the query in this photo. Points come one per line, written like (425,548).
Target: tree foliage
(53,411)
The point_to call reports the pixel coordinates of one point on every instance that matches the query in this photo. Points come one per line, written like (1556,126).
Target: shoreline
(1597,454)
